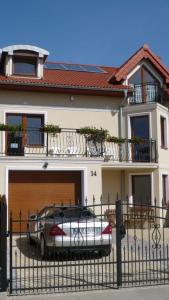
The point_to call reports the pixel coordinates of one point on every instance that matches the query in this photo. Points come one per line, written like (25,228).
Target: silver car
(69,229)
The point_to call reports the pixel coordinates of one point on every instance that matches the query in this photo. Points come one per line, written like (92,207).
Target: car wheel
(43,248)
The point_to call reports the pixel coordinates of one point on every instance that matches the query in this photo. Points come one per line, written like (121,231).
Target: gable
(144,72)
(145,54)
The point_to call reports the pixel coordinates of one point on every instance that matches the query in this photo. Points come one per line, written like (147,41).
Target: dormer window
(24,64)
(23,61)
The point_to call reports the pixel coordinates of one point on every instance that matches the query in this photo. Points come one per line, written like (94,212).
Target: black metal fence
(3,244)
(104,245)
(69,143)
(145,252)
(146,93)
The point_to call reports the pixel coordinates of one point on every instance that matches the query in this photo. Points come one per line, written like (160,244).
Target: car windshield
(69,213)
(77,213)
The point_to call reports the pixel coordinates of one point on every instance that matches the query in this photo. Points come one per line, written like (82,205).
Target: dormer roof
(10,49)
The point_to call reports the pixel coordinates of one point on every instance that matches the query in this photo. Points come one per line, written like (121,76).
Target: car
(69,229)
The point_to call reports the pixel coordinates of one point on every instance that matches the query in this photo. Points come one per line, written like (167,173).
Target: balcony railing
(146,93)
(69,143)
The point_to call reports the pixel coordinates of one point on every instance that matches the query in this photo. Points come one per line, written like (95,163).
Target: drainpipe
(121,113)
(122,185)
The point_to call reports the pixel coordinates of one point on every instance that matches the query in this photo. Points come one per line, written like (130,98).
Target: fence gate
(145,248)
(139,252)
(94,268)
(3,244)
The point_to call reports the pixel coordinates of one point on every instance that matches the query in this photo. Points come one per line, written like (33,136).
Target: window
(22,66)
(31,124)
(25,63)
(142,76)
(140,129)
(140,126)
(163,132)
(141,195)
(164,189)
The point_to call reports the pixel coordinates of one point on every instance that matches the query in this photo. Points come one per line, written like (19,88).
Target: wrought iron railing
(69,143)
(146,93)
(101,245)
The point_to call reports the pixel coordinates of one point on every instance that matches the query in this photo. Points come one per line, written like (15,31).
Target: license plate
(86,231)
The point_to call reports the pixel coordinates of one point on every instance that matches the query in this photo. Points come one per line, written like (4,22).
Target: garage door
(30,191)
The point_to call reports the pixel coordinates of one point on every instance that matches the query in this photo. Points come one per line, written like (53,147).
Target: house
(131,102)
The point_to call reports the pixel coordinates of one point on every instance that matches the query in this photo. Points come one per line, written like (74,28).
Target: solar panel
(93,69)
(71,67)
(54,66)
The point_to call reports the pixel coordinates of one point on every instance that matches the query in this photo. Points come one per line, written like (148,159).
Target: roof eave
(61,88)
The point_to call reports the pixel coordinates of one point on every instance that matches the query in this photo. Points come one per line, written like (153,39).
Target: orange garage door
(30,191)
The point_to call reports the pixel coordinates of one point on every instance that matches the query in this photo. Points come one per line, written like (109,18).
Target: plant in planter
(94,134)
(10,128)
(95,138)
(115,140)
(14,128)
(50,128)
(3,127)
(136,140)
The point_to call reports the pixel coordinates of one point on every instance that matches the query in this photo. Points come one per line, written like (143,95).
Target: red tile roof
(108,81)
(68,79)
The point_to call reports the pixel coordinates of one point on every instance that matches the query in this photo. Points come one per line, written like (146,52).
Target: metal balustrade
(146,93)
(69,143)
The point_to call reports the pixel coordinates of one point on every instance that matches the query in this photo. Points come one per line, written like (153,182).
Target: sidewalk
(144,293)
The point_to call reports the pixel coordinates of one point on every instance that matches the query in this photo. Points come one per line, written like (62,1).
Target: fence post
(47,144)
(10,255)
(3,244)
(118,242)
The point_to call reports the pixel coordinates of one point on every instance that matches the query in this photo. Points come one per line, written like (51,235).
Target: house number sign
(93,173)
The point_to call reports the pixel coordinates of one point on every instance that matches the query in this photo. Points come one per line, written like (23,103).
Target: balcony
(70,144)
(146,93)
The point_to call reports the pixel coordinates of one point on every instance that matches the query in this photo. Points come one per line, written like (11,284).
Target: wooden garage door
(30,191)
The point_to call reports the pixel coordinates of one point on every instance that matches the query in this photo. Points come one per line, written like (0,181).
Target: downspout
(122,183)
(121,113)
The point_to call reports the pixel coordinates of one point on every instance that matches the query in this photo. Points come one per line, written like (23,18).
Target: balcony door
(30,136)
(140,129)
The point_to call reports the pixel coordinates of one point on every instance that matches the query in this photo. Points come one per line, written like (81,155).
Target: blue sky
(104,32)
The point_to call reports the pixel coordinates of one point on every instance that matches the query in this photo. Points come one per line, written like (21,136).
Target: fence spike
(155,201)
(127,198)
(86,200)
(117,197)
(101,199)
